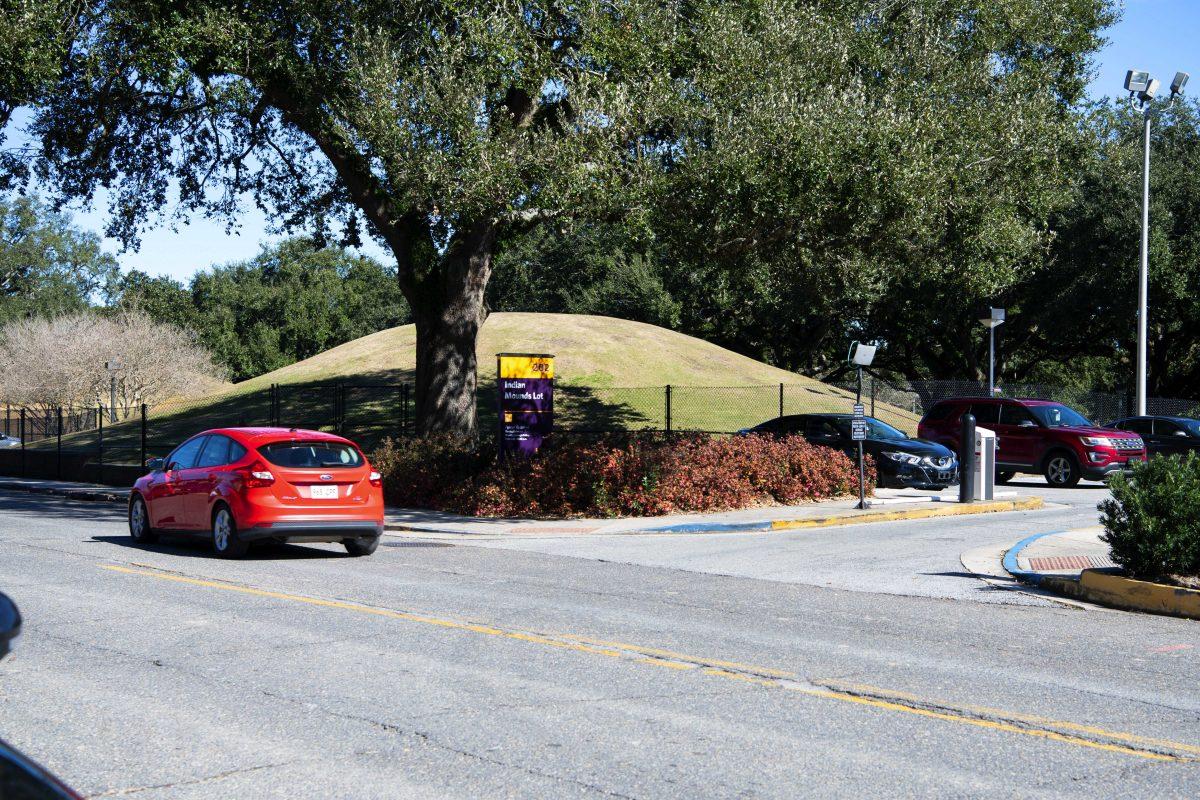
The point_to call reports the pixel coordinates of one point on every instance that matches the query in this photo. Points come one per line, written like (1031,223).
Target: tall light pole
(994,319)
(1142,88)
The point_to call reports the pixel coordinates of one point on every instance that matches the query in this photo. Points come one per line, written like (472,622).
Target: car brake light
(375,478)
(259,476)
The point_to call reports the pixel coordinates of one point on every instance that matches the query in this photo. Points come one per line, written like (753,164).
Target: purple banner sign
(526,408)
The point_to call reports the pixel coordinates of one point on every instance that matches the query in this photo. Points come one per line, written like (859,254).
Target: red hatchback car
(242,485)
(1037,436)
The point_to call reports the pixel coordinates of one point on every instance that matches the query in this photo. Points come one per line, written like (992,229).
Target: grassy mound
(611,374)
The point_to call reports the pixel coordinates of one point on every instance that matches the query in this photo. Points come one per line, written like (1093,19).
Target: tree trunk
(447,323)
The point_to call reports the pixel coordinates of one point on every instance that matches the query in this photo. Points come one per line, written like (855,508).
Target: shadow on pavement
(198,547)
(62,508)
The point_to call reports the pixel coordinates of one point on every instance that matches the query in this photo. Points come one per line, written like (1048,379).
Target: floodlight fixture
(1181,79)
(861,355)
(1136,80)
(1147,94)
(995,316)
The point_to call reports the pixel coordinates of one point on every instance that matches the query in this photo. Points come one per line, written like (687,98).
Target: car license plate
(324,492)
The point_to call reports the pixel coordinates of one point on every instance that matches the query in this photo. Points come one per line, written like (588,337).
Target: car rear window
(314,455)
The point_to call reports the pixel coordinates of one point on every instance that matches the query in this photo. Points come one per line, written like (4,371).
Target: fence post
(100,444)
(403,407)
(7,414)
(668,404)
(22,442)
(781,399)
(143,453)
(872,395)
(58,465)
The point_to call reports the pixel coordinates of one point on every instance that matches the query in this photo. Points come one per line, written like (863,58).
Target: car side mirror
(1026,423)
(1181,433)
(10,624)
(156,464)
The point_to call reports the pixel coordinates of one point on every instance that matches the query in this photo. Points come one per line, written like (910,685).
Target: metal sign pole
(858,430)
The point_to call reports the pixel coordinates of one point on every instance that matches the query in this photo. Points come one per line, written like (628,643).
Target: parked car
(20,777)
(7,441)
(243,485)
(1164,436)
(1038,437)
(900,460)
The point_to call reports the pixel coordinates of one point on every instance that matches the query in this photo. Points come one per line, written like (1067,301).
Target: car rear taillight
(258,476)
(375,478)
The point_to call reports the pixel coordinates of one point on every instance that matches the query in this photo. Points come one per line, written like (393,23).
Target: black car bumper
(314,531)
(915,476)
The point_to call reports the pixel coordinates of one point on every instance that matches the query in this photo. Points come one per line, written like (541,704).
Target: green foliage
(801,171)
(47,266)
(1091,273)
(1152,522)
(292,301)
(597,269)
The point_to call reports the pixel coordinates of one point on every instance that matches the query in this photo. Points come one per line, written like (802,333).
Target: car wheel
(1004,476)
(139,522)
(361,547)
(224,534)
(1062,470)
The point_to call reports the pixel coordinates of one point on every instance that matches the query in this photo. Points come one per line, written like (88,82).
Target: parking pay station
(984,477)
(976,462)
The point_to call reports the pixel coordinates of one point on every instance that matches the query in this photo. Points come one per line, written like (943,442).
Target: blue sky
(1161,36)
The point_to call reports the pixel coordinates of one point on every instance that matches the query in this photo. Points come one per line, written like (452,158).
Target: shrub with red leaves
(628,475)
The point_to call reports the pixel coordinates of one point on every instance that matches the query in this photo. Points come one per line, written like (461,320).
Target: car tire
(1062,470)
(139,522)
(361,547)
(1004,476)
(224,534)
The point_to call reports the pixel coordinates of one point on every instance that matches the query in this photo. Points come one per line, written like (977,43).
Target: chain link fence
(88,443)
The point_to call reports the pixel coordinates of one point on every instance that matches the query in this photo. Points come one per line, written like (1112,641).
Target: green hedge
(1152,521)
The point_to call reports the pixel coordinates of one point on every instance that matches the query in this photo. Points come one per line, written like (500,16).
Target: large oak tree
(814,167)
(445,126)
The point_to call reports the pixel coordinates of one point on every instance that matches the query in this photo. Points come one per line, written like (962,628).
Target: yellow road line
(746,673)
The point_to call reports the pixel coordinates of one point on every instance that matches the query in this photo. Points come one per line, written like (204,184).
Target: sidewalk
(888,505)
(1062,554)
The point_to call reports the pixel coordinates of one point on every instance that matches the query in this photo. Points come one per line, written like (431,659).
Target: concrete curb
(762,526)
(1010,560)
(92,495)
(1103,588)
(832,520)
(1128,594)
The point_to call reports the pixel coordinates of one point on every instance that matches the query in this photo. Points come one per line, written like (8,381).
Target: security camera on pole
(861,355)
(1142,88)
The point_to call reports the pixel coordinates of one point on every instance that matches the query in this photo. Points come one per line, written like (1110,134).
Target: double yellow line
(870,696)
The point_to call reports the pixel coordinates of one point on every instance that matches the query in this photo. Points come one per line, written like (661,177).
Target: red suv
(240,485)
(1037,436)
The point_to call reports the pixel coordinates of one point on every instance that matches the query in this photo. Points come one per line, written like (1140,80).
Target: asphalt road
(919,557)
(464,671)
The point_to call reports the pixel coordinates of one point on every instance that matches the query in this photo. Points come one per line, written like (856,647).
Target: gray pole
(992,361)
(112,398)
(1143,274)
